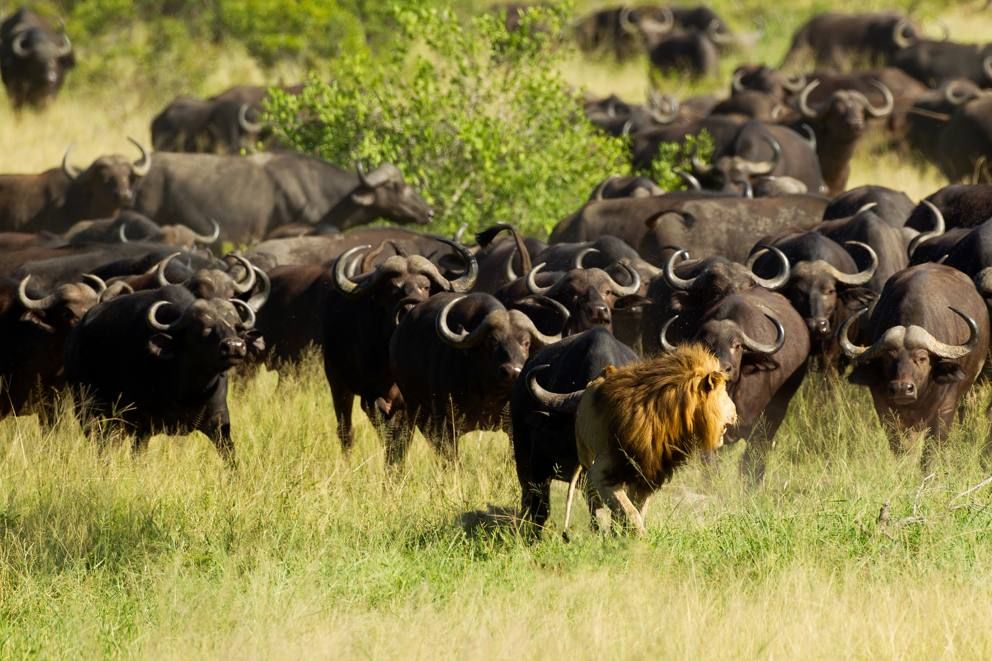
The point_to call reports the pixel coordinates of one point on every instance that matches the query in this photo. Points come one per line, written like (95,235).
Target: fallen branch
(967,492)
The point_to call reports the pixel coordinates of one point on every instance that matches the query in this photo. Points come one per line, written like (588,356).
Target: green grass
(303,550)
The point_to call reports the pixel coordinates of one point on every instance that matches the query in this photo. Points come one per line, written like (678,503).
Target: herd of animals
(649,324)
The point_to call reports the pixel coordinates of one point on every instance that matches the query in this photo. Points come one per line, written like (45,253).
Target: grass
(305,552)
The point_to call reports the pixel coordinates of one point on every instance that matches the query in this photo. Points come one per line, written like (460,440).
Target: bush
(477,118)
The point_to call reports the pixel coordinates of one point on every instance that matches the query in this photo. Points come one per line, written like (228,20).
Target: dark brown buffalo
(684,52)
(630,186)
(930,113)
(839,122)
(934,63)
(961,205)
(34,329)
(704,225)
(359,317)
(905,91)
(56,199)
(927,340)
(689,287)
(503,259)
(762,78)
(763,347)
(455,359)
(892,206)
(972,255)
(543,438)
(825,285)
(840,41)
(157,361)
(129,226)
(34,59)
(965,144)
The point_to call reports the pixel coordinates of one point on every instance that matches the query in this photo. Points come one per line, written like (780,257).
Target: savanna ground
(304,552)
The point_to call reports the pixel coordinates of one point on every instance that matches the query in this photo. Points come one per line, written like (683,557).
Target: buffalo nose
(902,389)
(600,313)
(818,327)
(234,348)
(509,372)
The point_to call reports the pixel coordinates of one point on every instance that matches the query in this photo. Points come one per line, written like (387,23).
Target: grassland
(304,552)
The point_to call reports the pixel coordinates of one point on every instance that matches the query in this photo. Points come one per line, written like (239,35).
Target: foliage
(673,156)
(476,117)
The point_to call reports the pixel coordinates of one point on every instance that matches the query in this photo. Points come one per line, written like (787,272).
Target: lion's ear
(607,371)
(712,381)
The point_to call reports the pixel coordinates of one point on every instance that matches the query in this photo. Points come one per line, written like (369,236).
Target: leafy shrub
(477,118)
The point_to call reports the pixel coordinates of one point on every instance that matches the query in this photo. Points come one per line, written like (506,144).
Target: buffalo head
(65,306)
(208,333)
(384,192)
(108,184)
(846,111)
(907,359)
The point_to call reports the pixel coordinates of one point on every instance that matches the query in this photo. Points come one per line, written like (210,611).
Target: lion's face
(719,412)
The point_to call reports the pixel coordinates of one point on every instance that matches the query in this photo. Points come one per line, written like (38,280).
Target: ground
(846,550)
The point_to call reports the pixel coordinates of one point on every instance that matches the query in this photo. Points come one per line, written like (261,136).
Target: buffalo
(838,41)
(34,59)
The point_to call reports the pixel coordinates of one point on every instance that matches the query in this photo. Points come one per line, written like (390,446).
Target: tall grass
(306,552)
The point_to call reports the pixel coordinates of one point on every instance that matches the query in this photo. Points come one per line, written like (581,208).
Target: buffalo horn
(770,283)
(258,300)
(689,179)
(804,106)
(598,193)
(737,84)
(143,164)
(657,102)
(95,282)
(30,303)
(627,25)
(246,285)
(559,403)
(70,171)
(152,317)
(810,135)
(635,281)
(987,66)
(532,285)
(902,33)
(953,351)
(246,124)
(341,280)
(758,347)
(674,281)
(18,45)
(66,46)
(795,83)
(528,325)
(163,281)
(122,232)
(861,277)
(767,167)
(666,345)
(938,228)
(889,103)
(467,280)
(850,349)
(717,34)
(463,340)
(952,89)
(581,255)
(208,238)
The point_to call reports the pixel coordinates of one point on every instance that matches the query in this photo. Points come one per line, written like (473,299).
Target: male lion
(636,424)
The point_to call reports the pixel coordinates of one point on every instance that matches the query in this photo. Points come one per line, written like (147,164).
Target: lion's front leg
(614,496)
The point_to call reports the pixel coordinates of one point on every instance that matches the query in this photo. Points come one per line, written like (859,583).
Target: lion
(636,424)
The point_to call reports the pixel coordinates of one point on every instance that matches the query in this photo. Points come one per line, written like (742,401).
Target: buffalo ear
(947,371)
(160,346)
(363,197)
(855,298)
(255,340)
(32,317)
(863,375)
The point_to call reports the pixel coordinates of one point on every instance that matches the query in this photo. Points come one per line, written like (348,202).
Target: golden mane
(660,409)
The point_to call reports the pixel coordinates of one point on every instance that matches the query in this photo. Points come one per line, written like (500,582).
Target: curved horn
(861,277)
(627,25)
(865,207)
(795,83)
(341,280)
(953,351)
(561,310)
(249,322)
(737,83)
(903,33)
(597,194)
(666,346)
(246,124)
(18,45)
(558,403)
(246,285)
(463,340)
(31,304)
(163,281)
(635,281)
(770,283)
(528,325)
(467,280)
(987,66)
(122,232)
(850,349)
(748,189)
(938,228)
(759,347)
(532,285)
(258,300)
(663,116)
(207,239)
(889,102)
(698,166)
(70,171)
(688,179)
(766,167)
(95,282)
(579,256)
(810,135)
(951,90)
(362,178)
(674,281)
(717,34)
(143,164)
(152,317)
(804,106)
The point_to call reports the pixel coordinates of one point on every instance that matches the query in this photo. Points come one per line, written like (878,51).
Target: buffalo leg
(535,501)
(343,400)
(761,436)
(398,435)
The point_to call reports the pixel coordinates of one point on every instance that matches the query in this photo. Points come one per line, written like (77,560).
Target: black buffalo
(34,59)
(839,41)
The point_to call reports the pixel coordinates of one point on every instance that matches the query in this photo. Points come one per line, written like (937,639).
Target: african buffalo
(960,205)
(55,199)
(838,41)
(892,206)
(927,340)
(249,196)
(936,62)
(34,59)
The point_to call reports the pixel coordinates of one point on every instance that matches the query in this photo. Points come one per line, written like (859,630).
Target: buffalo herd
(110,288)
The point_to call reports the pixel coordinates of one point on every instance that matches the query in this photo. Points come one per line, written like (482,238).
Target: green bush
(477,118)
